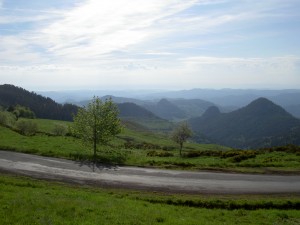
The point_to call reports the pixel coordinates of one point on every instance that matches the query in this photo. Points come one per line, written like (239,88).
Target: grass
(144,148)
(28,201)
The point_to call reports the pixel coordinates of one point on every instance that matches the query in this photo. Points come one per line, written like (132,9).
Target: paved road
(145,178)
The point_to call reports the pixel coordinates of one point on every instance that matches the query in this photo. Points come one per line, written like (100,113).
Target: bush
(3,119)
(193,154)
(142,145)
(27,128)
(21,111)
(59,130)
(159,154)
(239,158)
(287,148)
(239,155)
(7,119)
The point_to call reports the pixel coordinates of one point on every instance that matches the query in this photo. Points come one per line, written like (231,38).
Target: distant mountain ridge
(132,110)
(226,99)
(43,107)
(166,110)
(259,124)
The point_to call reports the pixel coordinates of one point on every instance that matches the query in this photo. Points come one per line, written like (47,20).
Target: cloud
(170,42)
(97,27)
(270,62)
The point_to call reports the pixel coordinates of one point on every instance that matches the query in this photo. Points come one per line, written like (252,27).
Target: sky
(150,44)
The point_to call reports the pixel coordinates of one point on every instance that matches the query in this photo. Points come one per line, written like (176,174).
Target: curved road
(145,178)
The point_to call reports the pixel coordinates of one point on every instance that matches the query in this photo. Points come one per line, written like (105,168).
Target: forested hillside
(260,124)
(43,107)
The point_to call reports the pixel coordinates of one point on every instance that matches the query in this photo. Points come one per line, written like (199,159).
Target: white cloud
(101,27)
(146,42)
(284,62)
(18,51)
(276,72)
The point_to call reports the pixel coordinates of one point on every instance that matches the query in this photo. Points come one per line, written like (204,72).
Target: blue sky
(150,44)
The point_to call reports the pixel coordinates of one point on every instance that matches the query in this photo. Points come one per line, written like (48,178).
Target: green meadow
(26,201)
(145,148)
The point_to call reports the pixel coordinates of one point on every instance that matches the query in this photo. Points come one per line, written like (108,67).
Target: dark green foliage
(260,124)
(239,155)
(144,146)
(193,154)
(287,148)
(21,111)
(228,204)
(43,107)
(108,155)
(154,153)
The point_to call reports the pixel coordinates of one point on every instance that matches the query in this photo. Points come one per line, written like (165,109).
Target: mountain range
(226,99)
(259,124)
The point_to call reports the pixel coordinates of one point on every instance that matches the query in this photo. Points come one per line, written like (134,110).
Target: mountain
(170,109)
(115,99)
(43,107)
(166,110)
(131,113)
(231,99)
(259,124)
(131,110)
(191,107)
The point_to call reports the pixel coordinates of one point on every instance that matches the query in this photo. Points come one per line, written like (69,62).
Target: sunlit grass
(27,201)
(47,144)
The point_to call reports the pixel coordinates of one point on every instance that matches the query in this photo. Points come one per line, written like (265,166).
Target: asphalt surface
(145,178)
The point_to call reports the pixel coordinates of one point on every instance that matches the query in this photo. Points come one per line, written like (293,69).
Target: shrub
(27,127)
(59,129)
(7,119)
(193,154)
(159,154)
(142,145)
(287,148)
(239,155)
(239,158)
(3,119)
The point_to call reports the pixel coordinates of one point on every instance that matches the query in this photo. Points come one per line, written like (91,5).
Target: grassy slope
(69,147)
(27,201)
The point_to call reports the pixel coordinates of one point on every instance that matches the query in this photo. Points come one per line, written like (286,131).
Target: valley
(211,177)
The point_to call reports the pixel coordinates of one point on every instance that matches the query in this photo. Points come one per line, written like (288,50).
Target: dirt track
(145,178)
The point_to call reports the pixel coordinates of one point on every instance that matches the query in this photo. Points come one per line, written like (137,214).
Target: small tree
(97,123)
(180,134)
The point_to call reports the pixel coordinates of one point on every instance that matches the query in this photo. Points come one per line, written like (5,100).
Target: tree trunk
(95,145)
(95,148)
(181,144)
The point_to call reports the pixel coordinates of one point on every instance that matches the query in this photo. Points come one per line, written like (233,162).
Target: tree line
(43,107)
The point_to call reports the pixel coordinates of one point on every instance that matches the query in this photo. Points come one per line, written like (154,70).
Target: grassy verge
(138,148)
(27,201)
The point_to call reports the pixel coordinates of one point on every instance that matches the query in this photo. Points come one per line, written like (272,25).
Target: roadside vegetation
(28,201)
(144,148)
